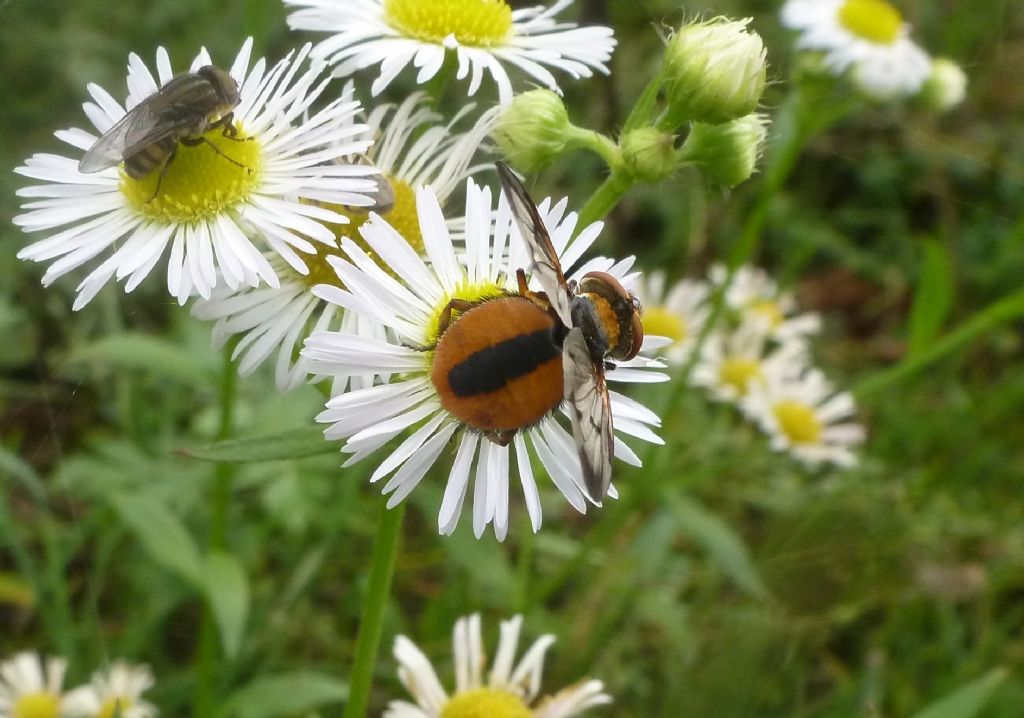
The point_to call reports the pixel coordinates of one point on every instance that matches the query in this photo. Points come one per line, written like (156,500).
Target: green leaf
(966,701)
(933,299)
(286,694)
(162,535)
(149,354)
(227,592)
(724,547)
(296,444)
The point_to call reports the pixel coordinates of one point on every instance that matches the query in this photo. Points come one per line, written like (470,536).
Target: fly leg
(163,171)
(195,141)
(445,320)
(501,437)
(455,305)
(228,129)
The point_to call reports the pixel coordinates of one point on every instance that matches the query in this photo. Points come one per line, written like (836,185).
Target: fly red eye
(610,284)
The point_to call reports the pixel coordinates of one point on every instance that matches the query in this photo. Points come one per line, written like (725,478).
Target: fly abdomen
(149,158)
(498,367)
(493,367)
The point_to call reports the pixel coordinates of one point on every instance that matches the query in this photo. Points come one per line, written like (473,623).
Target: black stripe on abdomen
(493,367)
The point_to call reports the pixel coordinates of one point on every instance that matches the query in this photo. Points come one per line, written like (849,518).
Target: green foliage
(726,580)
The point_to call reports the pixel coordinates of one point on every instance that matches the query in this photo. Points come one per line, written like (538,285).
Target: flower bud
(946,87)
(715,71)
(533,130)
(726,153)
(649,153)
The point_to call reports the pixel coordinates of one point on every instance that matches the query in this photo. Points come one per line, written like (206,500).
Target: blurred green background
(727,582)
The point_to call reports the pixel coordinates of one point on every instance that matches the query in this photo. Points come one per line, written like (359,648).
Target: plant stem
(220,501)
(371,623)
(605,197)
(1002,310)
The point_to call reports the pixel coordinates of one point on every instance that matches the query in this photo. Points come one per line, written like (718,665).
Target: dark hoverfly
(147,136)
(506,362)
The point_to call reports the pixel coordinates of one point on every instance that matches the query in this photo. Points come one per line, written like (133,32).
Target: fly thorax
(590,313)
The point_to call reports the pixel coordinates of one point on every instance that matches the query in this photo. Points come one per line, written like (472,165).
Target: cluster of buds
(712,78)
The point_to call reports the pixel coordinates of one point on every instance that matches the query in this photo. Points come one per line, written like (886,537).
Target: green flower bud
(533,130)
(945,88)
(649,153)
(715,71)
(726,153)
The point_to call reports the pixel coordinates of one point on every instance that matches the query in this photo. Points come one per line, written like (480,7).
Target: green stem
(1001,311)
(605,197)
(371,623)
(220,501)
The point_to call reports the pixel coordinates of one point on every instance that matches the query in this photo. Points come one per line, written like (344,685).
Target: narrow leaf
(162,535)
(286,694)
(295,444)
(968,700)
(933,299)
(724,547)
(227,591)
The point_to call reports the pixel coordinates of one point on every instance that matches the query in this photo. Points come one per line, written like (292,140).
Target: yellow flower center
(738,372)
(402,216)
(659,321)
(798,422)
(485,703)
(200,181)
(37,705)
(114,708)
(769,309)
(874,20)
(477,23)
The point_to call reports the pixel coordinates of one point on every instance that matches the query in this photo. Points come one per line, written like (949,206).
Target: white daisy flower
(28,689)
(866,37)
(509,690)
(411,308)
(677,314)
(413,147)
(757,299)
(484,34)
(219,202)
(731,362)
(804,414)
(115,691)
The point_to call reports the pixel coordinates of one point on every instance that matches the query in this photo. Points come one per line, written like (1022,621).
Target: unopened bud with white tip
(715,71)
(727,154)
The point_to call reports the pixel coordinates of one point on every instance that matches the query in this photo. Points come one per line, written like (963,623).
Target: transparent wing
(544,262)
(590,411)
(138,128)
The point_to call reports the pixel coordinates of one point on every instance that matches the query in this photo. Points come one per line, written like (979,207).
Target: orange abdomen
(498,367)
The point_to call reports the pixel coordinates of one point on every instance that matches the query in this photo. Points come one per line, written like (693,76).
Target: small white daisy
(509,690)
(804,414)
(115,691)
(28,689)
(214,213)
(413,147)
(757,299)
(677,314)
(866,37)
(410,307)
(731,362)
(484,34)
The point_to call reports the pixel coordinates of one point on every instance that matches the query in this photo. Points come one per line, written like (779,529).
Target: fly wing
(178,105)
(590,412)
(544,262)
(116,143)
